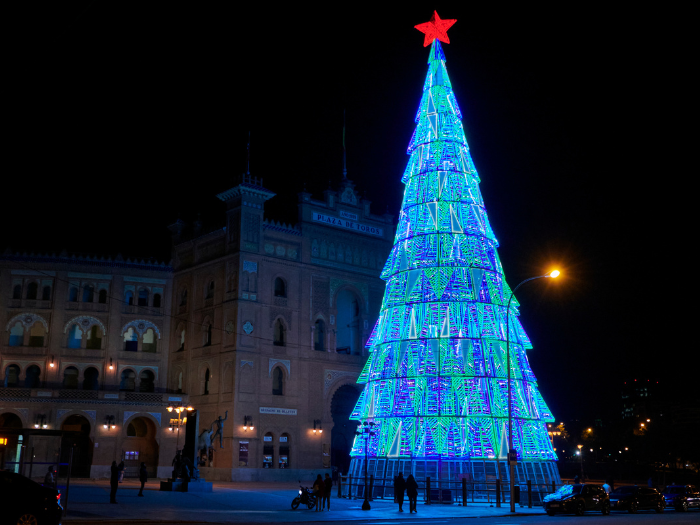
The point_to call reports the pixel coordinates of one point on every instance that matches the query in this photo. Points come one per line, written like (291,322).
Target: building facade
(259,326)
(84,361)
(270,324)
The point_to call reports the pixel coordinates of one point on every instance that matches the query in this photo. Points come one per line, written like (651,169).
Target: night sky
(124,115)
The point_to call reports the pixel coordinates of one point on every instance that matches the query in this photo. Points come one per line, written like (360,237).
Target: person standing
(412,493)
(318,491)
(606,487)
(48,478)
(143,477)
(327,488)
(113,482)
(399,489)
(121,471)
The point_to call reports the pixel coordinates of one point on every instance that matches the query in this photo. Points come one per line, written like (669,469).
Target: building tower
(435,381)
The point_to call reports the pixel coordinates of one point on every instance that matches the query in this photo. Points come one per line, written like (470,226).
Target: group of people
(322,490)
(410,487)
(117,475)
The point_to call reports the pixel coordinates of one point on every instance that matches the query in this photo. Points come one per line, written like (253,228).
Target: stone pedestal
(179,485)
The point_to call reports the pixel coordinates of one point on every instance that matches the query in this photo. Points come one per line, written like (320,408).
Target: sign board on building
(348,215)
(346,224)
(283,439)
(279,411)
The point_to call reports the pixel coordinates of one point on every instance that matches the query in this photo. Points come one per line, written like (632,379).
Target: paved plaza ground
(88,501)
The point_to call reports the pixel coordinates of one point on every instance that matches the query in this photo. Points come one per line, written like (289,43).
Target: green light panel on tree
(436,378)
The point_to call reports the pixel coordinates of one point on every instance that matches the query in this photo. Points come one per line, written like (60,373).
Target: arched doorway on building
(76,435)
(348,323)
(140,445)
(343,433)
(11,430)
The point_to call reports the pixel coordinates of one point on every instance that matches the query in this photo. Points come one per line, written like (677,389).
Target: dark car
(25,502)
(682,497)
(577,499)
(633,498)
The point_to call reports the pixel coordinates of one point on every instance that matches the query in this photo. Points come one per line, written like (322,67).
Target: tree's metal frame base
(450,472)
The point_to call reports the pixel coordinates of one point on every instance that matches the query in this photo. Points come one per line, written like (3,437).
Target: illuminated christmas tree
(436,378)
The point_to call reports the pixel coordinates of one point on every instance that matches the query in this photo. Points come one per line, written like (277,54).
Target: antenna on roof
(345,166)
(248,154)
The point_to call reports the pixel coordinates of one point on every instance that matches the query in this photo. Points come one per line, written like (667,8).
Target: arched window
(75,337)
(181,348)
(102,297)
(277,381)
(156,300)
(278,336)
(284,451)
(146,381)
(207,335)
(70,378)
(17,291)
(348,323)
(207,376)
(46,293)
(17,335)
(88,293)
(268,449)
(90,379)
(210,290)
(128,382)
(183,298)
(150,343)
(32,291)
(73,294)
(36,335)
(179,383)
(94,338)
(131,340)
(143,297)
(31,378)
(12,376)
(280,287)
(320,336)
(129,297)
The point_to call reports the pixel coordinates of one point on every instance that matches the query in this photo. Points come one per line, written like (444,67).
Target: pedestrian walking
(412,493)
(113,482)
(121,471)
(577,480)
(143,477)
(606,487)
(399,489)
(328,488)
(318,491)
(49,479)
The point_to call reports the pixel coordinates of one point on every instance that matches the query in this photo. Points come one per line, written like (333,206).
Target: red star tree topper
(436,28)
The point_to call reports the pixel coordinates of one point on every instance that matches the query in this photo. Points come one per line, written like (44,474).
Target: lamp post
(512,454)
(580,453)
(179,410)
(367,430)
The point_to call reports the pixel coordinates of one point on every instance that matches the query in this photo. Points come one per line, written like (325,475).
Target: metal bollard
(529,494)
(340,483)
(464,492)
(427,490)
(498,493)
(371,487)
(350,486)
(553,489)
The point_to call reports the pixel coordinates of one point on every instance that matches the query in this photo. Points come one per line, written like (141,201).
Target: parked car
(633,498)
(24,501)
(682,497)
(577,499)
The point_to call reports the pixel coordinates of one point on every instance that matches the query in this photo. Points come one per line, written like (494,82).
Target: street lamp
(580,453)
(179,410)
(512,454)
(366,431)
